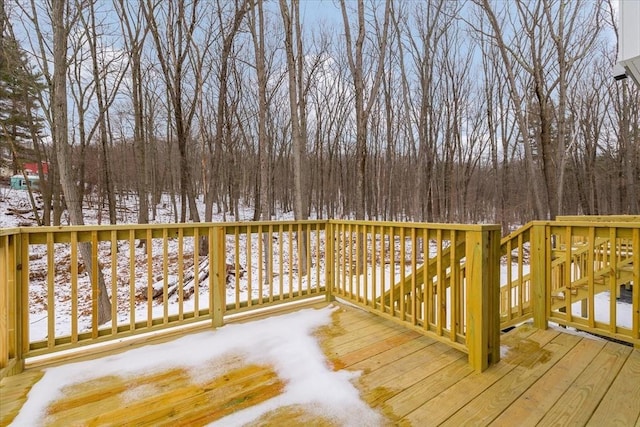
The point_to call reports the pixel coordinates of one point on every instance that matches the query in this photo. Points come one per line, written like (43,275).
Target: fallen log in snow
(188,282)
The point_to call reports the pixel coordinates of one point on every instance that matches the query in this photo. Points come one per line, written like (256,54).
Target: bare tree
(257,29)
(181,51)
(61,18)
(298,89)
(134,32)
(549,48)
(215,147)
(363,102)
(430,23)
(107,71)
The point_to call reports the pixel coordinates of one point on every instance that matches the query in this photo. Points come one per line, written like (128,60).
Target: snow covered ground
(14,211)
(14,203)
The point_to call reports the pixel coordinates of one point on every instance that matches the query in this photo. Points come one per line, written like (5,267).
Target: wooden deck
(544,378)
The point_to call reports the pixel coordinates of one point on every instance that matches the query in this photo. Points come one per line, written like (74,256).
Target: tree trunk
(63,152)
(297,106)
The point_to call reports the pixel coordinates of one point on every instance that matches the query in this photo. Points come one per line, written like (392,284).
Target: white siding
(629,54)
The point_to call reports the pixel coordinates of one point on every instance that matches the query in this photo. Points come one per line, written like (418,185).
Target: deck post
(482,269)
(217,254)
(11,321)
(329,259)
(539,273)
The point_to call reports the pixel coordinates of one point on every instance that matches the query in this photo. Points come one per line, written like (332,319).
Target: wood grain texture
(585,393)
(545,377)
(531,405)
(621,403)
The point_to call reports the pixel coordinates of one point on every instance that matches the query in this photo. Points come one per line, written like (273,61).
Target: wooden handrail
(254,265)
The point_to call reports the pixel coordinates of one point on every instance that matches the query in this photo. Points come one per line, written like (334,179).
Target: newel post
(217,274)
(482,270)
(540,272)
(329,261)
(11,309)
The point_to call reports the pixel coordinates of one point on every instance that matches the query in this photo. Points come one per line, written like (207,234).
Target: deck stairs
(576,283)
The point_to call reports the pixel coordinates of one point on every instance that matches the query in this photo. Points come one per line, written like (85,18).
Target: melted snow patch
(285,342)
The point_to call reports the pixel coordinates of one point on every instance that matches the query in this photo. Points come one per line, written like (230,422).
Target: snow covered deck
(269,373)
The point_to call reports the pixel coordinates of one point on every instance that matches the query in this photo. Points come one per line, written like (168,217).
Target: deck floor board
(530,406)
(494,400)
(544,378)
(614,408)
(579,402)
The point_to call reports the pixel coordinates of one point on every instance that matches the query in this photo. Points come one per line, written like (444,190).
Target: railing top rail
(622,221)
(517,232)
(420,225)
(10,231)
(588,223)
(155,226)
(617,221)
(599,218)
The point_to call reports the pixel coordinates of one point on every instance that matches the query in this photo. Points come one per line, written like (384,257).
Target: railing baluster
(21,258)
(454,304)
(520,287)
(165,275)
(149,242)
(269,256)
(212,247)
(261,263)
(73,259)
(440,308)
(95,294)
(403,290)
(351,271)
(375,265)
(280,259)
(590,277)
(392,281)
(383,270)
(181,274)
(196,272)
(427,298)
(613,276)
(366,266)
(300,246)
(249,267)
(318,234)
(566,280)
(510,282)
(51,302)
(132,279)
(414,278)
(635,296)
(343,265)
(291,261)
(114,282)
(236,265)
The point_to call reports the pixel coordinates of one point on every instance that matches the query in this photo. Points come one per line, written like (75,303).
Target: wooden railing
(515,285)
(440,279)
(157,277)
(591,264)
(572,272)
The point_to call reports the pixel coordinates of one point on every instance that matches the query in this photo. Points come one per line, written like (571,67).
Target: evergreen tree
(19,86)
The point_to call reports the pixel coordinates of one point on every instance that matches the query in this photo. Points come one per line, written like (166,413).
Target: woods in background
(434,110)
